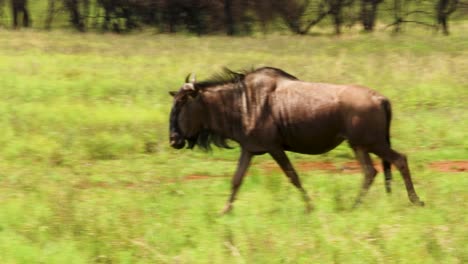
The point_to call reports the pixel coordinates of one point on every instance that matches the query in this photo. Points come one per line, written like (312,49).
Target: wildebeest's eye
(182,99)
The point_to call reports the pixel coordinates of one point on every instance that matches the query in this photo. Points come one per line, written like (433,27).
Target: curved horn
(193,79)
(187,78)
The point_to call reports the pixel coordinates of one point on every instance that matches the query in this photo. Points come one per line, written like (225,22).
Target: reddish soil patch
(194,177)
(354,166)
(450,166)
(347,167)
(316,165)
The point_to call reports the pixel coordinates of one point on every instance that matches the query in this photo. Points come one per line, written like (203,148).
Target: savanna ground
(87,176)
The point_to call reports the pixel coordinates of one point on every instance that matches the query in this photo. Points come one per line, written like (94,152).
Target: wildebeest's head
(186,115)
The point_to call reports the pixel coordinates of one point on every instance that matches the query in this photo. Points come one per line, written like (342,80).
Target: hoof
(356,204)
(227,209)
(309,208)
(415,200)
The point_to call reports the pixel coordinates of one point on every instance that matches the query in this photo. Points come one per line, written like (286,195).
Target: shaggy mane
(227,76)
(205,138)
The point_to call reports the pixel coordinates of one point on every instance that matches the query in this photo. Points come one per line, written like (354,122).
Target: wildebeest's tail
(385,164)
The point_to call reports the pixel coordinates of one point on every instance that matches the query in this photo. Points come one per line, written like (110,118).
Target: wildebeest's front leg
(369,173)
(282,160)
(243,164)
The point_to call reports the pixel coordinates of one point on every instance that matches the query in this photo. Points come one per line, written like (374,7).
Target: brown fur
(270,111)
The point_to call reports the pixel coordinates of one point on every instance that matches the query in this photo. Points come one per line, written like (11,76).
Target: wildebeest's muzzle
(176,140)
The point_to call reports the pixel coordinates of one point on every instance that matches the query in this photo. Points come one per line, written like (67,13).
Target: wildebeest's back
(314,118)
(307,116)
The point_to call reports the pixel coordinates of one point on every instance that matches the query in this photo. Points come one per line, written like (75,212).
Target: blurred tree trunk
(293,13)
(18,7)
(336,12)
(229,20)
(170,16)
(335,8)
(75,17)
(369,14)
(444,8)
(85,15)
(264,13)
(1,10)
(51,5)
(195,16)
(127,14)
(107,19)
(397,14)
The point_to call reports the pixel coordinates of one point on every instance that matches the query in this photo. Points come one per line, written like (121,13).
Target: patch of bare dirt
(316,165)
(348,167)
(194,177)
(354,166)
(450,166)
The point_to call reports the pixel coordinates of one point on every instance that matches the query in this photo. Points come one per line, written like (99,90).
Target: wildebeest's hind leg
(283,161)
(400,161)
(243,164)
(388,175)
(368,170)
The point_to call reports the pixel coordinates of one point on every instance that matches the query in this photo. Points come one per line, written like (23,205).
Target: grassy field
(87,176)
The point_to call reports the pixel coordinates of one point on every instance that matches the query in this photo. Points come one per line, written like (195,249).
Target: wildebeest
(267,110)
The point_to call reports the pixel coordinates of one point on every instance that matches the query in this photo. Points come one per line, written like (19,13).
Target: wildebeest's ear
(172,93)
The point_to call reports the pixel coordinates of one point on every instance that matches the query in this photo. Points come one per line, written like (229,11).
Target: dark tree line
(234,17)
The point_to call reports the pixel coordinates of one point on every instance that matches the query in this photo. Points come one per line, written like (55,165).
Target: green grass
(87,176)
